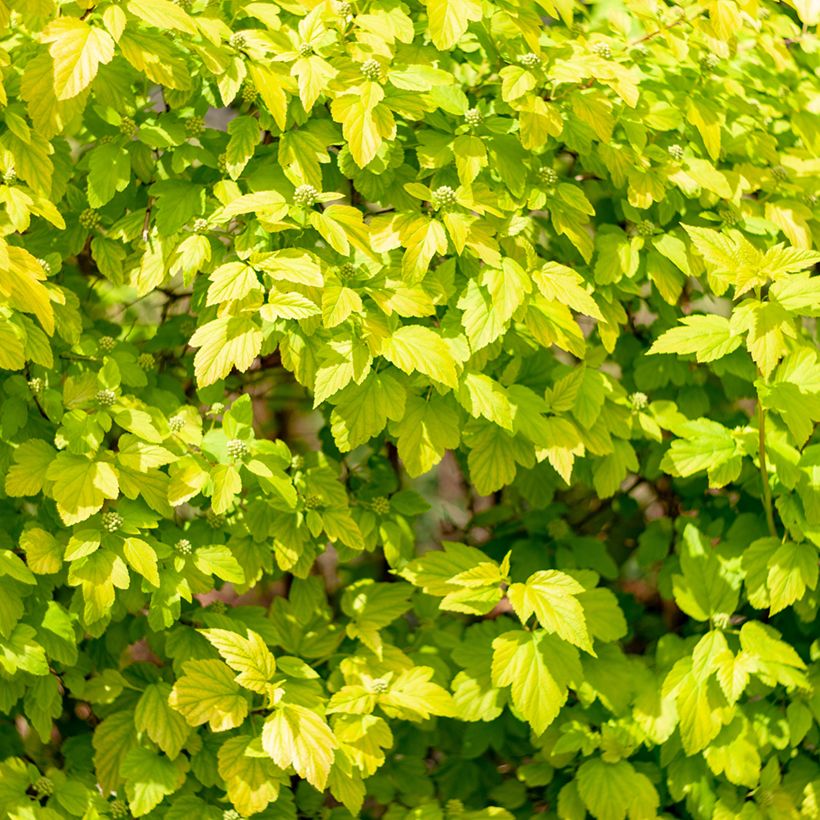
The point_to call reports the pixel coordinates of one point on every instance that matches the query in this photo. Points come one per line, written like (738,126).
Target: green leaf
(155,717)
(706,588)
(426,431)
(493,457)
(361,411)
(43,703)
(113,739)
(109,173)
(149,778)
(27,474)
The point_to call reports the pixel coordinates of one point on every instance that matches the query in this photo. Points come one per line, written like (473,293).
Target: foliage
(291,292)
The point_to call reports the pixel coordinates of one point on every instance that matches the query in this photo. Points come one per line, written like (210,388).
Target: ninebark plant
(408,409)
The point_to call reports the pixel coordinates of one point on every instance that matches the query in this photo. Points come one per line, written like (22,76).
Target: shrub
(408,409)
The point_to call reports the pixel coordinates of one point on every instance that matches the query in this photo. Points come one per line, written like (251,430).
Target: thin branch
(764,472)
(683,18)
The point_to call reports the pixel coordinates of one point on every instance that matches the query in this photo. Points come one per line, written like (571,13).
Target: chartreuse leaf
(448,20)
(24,289)
(464,577)
(708,337)
(604,617)
(704,445)
(99,575)
(219,561)
(773,659)
(562,284)
(413,696)
(13,567)
(413,348)
(495,455)
(12,347)
(77,50)
(80,485)
(44,554)
(250,657)
(296,296)
(700,703)
(614,791)
(365,121)
(294,736)
(227,484)
(19,651)
(162,14)
(792,569)
(538,668)
(252,779)
(734,753)
(552,596)
(225,343)
(208,693)
(482,397)
(142,557)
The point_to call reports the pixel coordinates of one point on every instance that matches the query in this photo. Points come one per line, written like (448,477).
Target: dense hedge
(408,409)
